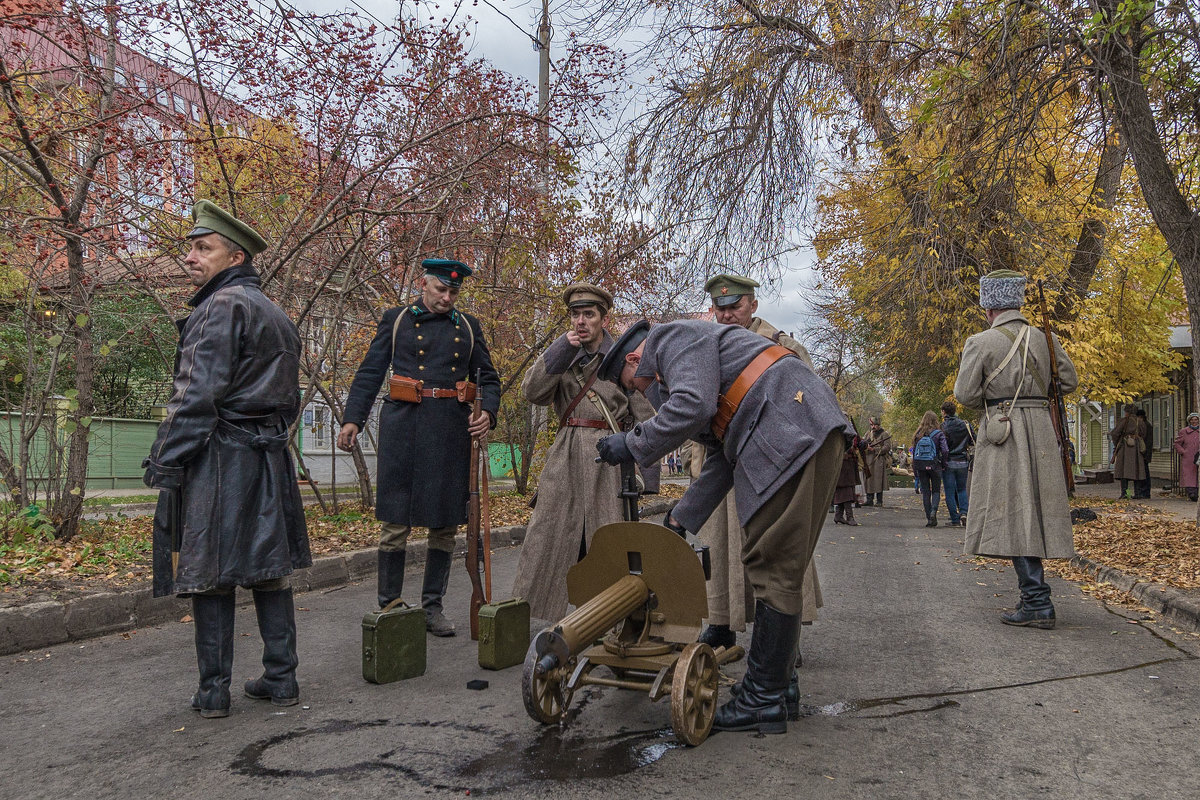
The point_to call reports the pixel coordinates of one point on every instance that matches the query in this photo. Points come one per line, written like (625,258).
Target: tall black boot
(1036,610)
(277,626)
(760,703)
(213,618)
(391,575)
(879,499)
(718,636)
(437,575)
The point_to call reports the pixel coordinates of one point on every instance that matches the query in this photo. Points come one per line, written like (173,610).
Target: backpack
(925,449)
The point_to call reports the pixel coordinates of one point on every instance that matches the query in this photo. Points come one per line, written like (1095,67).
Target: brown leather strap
(727,404)
(587,385)
(580,422)
(439,393)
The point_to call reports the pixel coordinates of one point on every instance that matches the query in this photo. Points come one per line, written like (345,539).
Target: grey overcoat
(782,421)
(879,461)
(1128,438)
(576,496)
(1018,494)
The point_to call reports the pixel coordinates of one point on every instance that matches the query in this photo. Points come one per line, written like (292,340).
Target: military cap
(614,362)
(578,295)
(208,217)
(726,290)
(447,270)
(1002,288)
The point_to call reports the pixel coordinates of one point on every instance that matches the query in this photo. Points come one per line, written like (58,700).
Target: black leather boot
(277,626)
(1035,610)
(437,575)
(718,636)
(391,575)
(760,703)
(212,615)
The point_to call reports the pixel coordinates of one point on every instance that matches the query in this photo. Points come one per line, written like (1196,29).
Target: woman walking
(930,451)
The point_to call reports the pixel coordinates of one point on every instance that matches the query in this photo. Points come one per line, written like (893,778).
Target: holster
(466,391)
(406,390)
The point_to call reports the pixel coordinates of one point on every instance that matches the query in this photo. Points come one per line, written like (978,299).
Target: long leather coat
(224,443)
(424,448)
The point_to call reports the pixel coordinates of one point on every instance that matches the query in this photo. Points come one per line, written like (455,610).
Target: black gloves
(613,450)
(675,525)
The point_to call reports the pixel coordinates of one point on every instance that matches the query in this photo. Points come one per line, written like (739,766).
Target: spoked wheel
(694,693)
(546,695)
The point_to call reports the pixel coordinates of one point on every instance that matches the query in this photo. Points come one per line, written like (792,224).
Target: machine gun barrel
(583,626)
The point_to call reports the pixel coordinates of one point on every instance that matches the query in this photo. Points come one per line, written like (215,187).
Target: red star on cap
(724,290)
(453,274)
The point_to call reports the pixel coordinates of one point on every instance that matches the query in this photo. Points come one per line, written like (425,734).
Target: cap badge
(724,290)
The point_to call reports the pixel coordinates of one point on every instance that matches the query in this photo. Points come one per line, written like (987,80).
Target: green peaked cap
(208,217)
(726,290)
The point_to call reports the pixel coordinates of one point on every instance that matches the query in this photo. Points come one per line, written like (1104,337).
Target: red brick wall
(13,7)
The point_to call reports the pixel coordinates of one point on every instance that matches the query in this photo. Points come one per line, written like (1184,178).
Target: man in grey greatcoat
(230,514)
(576,496)
(730,600)
(1019,506)
(434,352)
(1129,441)
(879,462)
(775,433)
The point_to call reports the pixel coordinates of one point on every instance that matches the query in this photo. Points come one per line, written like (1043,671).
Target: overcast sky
(502,33)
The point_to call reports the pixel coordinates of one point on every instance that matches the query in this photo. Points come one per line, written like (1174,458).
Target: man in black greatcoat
(221,455)
(434,352)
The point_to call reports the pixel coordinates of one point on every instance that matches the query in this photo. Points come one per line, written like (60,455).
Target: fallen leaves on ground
(115,552)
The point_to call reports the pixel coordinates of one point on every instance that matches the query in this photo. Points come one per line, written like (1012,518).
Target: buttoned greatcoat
(424,448)
(1018,494)
(576,496)
(236,389)
(730,598)
(879,461)
(1187,444)
(1129,440)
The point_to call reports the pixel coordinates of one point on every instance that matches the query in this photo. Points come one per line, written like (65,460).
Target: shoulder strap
(1016,339)
(574,402)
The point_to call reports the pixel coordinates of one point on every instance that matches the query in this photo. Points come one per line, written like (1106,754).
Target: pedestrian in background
(1141,489)
(1187,445)
(1019,506)
(929,460)
(878,462)
(960,440)
(222,454)
(846,493)
(1129,437)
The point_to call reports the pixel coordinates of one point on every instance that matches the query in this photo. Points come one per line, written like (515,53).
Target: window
(181,105)
(195,112)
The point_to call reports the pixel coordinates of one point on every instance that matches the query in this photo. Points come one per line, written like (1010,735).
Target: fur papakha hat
(1002,288)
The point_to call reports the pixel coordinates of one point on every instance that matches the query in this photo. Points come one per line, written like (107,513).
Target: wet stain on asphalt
(422,753)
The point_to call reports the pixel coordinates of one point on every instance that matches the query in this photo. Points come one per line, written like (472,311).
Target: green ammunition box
(393,643)
(503,633)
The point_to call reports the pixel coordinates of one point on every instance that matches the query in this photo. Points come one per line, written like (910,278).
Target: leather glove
(675,525)
(613,450)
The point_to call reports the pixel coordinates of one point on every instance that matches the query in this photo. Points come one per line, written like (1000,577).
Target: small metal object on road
(477,685)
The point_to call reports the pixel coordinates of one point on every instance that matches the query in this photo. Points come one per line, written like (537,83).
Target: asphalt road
(913,689)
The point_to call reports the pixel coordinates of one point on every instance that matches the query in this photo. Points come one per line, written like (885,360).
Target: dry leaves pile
(1138,540)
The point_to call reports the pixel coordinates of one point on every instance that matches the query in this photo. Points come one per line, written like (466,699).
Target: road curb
(42,624)
(1168,602)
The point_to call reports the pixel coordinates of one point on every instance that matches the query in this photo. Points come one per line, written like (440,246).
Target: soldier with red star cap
(434,352)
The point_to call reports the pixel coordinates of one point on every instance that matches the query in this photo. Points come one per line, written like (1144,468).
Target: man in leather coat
(424,434)
(221,455)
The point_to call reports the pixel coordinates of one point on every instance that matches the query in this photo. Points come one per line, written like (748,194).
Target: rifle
(629,491)
(474,556)
(1058,409)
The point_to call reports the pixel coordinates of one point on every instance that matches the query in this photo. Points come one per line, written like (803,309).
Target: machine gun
(639,598)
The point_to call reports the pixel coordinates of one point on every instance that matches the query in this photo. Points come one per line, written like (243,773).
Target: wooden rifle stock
(473,520)
(1058,409)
